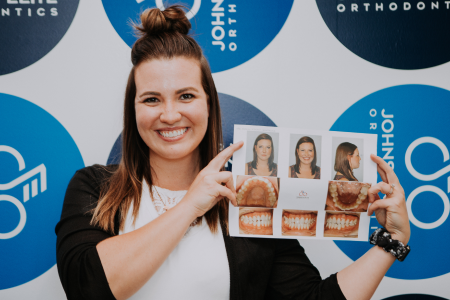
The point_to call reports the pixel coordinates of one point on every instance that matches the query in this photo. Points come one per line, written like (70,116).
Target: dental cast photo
(261,153)
(346,159)
(298,223)
(347,196)
(257,191)
(341,225)
(255,221)
(304,158)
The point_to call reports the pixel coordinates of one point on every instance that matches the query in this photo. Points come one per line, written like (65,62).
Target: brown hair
(341,163)
(163,35)
(305,139)
(263,136)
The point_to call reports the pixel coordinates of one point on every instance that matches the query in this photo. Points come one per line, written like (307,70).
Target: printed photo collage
(295,183)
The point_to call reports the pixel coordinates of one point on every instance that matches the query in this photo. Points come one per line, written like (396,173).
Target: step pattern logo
(30,29)
(230,32)
(404,35)
(37,160)
(234,111)
(412,126)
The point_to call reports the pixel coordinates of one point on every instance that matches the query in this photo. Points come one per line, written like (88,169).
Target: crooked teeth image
(257,191)
(255,221)
(299,222)
(341,225)
(347,196)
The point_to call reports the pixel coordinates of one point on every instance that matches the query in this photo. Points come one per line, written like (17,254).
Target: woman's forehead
(168,74)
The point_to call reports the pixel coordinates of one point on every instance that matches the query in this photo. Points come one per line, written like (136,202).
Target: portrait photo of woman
(306,157)
(262,155)
(347,161)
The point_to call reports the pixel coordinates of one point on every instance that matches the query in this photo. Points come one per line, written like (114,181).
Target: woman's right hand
(212,184)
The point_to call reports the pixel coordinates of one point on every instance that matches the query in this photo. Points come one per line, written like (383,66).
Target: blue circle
(233,110)
(50,158)
(400,38)
(418,111)
(255,24)
(31,30)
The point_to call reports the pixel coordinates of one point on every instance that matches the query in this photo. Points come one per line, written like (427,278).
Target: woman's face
(263,149)
(306,153)
(354,159)
(171,106)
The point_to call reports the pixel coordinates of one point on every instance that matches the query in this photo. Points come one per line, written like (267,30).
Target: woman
(305,160)
(116,241)
(347,159)
(263,154)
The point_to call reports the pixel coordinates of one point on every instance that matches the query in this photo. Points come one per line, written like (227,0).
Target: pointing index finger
(217,163)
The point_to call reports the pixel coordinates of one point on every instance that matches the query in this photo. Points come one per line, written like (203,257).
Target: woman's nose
(170,113)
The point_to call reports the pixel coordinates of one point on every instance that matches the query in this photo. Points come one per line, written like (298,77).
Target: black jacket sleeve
(294,277)
(79,266)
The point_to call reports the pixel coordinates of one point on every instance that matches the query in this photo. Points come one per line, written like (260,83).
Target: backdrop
(370,66)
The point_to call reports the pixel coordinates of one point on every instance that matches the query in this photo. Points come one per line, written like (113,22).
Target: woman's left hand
(391,211)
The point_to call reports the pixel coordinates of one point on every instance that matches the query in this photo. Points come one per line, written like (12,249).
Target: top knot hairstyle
(162,35)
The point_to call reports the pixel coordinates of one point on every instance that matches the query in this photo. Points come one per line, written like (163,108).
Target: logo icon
(234,111)
(39,170)
(406,35)
(229,32)
(37,160)
(411,122)
(30,29)
(302,194)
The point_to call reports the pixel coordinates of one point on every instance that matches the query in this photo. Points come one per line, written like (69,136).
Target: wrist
(189,211)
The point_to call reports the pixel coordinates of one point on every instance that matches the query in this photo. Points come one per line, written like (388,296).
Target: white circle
(190,14)
(341,7)
(420,6)
(373,112)
(383,125)
(393,6)
(428,188)
(23,217)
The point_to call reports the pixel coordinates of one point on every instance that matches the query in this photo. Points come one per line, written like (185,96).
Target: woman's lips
(172,134)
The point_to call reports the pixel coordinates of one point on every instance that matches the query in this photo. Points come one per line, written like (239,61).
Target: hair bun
(172,19)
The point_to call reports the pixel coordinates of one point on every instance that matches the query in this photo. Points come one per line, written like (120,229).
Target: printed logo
(37,160)
(411,122)
(230,33)
(302,195)
(404,35)
(234,111)
(30,29)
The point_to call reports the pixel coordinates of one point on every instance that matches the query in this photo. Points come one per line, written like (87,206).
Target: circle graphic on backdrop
(38,157)
(229,33)
(411,122)
(234,111)
(31,29)
(404,35)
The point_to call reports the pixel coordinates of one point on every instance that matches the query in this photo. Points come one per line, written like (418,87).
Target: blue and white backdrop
(373,66)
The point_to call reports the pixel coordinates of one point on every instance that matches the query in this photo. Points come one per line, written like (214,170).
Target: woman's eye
(151,100)
(186,97)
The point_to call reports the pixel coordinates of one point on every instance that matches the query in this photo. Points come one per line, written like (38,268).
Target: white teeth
(174,133)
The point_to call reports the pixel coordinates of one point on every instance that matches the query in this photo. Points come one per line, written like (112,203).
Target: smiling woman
(305,160)
(156,225)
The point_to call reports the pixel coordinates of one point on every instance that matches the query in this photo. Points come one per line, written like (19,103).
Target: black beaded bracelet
(381,237)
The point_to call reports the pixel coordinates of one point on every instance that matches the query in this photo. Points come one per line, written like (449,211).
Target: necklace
(162,205)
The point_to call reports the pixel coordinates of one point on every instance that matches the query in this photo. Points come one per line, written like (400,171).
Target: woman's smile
(173,134)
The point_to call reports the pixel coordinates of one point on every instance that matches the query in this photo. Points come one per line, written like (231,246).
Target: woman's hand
(212,184)
(391,211)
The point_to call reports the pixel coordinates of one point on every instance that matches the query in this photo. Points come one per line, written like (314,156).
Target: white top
(198,266)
